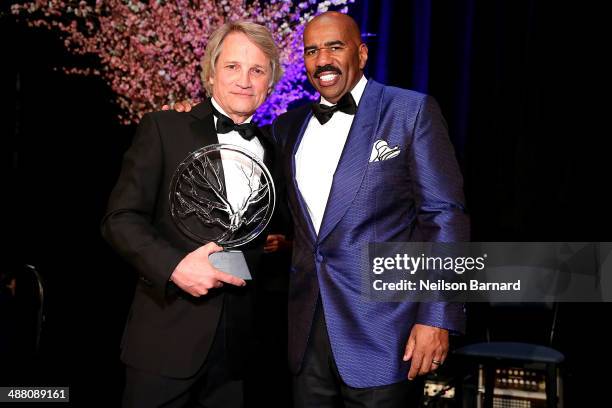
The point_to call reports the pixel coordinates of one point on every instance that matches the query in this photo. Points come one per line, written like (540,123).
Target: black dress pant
(211,387)
(318,384)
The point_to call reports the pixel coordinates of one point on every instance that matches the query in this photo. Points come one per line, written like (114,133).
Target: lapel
(265,138)
(204,127)
(354,158)
(296,132)
(271,161)
(204,132)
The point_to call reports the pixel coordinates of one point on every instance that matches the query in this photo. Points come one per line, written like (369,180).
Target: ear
(270,87)
(363,55)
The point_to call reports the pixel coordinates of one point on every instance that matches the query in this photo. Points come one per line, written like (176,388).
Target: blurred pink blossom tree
(149,51)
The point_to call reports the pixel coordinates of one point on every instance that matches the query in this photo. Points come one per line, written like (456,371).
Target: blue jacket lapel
(354,159)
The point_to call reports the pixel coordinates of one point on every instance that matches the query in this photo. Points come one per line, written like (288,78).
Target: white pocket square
(381,151)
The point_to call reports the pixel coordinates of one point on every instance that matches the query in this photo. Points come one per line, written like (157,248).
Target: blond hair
(257,33)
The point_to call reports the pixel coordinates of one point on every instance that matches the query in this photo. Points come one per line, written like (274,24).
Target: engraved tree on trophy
(201,192)
(222,193)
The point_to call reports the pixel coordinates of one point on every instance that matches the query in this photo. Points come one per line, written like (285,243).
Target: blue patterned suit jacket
(416,196)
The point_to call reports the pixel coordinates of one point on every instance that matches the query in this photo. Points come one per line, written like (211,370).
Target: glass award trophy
(223,193)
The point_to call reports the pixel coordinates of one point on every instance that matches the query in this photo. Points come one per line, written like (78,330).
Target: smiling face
(334,55)
(242,77)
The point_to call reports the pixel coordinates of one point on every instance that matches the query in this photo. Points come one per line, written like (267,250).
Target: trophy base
(232,262)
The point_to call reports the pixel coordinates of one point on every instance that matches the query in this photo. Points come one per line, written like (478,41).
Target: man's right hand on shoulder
(196,275)
(181,106)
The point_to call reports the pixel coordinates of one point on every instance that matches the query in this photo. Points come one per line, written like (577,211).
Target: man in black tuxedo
(188,332)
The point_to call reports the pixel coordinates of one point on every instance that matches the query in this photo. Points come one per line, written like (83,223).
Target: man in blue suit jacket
(372,164)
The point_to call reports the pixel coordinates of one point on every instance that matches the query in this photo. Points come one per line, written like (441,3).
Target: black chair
(519,346)
(23,311)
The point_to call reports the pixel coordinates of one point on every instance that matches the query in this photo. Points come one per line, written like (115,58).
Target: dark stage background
(517,82)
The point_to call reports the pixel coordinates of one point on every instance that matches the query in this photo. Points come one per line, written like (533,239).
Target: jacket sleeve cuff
(445,315)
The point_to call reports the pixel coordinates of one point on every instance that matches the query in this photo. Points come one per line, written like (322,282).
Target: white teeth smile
(328,77)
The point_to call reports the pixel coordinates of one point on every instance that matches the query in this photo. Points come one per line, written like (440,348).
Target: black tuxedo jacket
(168,331)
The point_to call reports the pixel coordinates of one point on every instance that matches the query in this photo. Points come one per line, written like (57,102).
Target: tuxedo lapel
(263,134)
(204,127)
(204,132)
(354,159)
(296,133)
(270,161)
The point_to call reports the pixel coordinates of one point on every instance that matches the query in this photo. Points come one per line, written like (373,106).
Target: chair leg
(551,385)
(489,383)
(459,384)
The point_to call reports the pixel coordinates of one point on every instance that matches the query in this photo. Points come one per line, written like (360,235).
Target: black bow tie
(324,113)
(226,125)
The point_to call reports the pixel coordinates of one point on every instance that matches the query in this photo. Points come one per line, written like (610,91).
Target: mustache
(326,68)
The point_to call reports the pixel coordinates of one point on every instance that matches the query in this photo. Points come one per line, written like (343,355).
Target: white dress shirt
(237,187)
(318,155)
